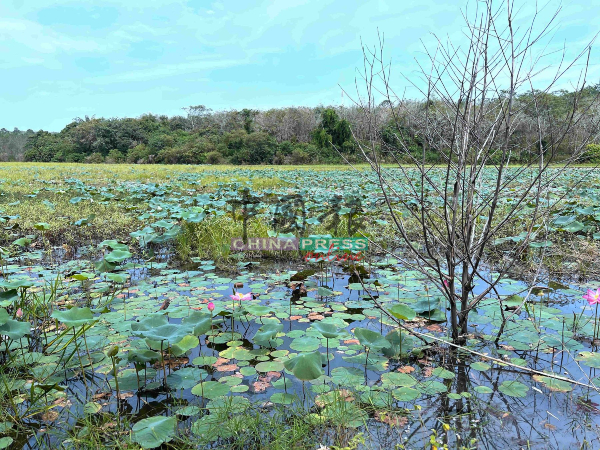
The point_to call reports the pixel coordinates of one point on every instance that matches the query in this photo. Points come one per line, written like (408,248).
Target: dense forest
(294,135)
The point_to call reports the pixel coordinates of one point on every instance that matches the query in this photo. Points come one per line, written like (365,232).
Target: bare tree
(197,115)
(470,116)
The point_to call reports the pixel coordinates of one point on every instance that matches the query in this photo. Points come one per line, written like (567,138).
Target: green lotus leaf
(395,379)
(400,344)
(116,277)
(14,329)
(258,310)
(373,362)
(103,266)
(149,322)
(210,389)
(283,383)
(186,344)
(117,256)
(305,344)
(201,322)
(154,431)
(403,312)
(91,408)
(480,366)
(590,359)
(204,360)
(4,317)
(189,410)
(432,387)
(248,371)
(269,366)
(185,378)
(22,242)
(553,384)
(306,366)
(281,398)
(375,398)
(75,317)
(513,388)
(83,276)
(267,333)
(7,298)
(371,339)
(327,330)
(442,373)
(484,390)
(324,292)
(16,284)
(142,356)
(169,333)
(405,394)
(129,380)
(348,376)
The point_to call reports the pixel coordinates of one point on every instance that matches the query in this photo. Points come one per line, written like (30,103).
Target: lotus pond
(107,339)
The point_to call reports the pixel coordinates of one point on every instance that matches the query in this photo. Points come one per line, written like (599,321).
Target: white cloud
(37,38)
(165,71)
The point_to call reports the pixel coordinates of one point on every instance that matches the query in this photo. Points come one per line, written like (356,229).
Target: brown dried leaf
(393,420)
(50,416)
(315,316)
(101,395)
(226,368)
(220,361)
(260,386)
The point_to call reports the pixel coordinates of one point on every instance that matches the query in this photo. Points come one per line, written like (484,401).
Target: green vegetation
(321,135)
(108,340)
(237,137)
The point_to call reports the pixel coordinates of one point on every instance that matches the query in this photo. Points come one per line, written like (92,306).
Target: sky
(62,59)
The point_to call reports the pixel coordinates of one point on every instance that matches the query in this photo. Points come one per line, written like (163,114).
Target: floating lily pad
(269,366)
(405,394)
(210,389)
(154,431)
(513,389)
(480,366)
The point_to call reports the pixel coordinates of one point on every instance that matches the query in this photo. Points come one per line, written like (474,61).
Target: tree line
(293,135)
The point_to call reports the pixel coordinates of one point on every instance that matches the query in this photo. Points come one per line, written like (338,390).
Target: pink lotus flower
(592,297)
(239,296)
(211,306)
(19,313)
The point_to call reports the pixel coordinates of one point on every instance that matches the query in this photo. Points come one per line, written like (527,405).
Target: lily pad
(154,431)
(210,389)
(513,389)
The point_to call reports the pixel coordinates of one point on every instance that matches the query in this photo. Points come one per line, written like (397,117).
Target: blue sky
(62,59)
